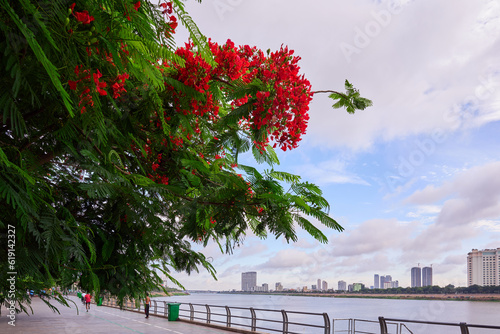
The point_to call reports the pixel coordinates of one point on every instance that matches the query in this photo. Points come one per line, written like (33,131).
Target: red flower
(72,84)
(99,85)
(137,5)
(84,17)
(72,7)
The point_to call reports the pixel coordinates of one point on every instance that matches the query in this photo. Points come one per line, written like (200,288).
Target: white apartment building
(483,267)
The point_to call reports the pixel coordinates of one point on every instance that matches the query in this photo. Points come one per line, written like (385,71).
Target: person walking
(87,301)
(146,306)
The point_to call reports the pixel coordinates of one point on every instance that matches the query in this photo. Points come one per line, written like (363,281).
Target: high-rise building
(278,286)
(382,281)
(483,267)
(319,284)
(416,277)
(342,286)
(248,281)
(265,287)
(376,281)
(325,286)
(426,276)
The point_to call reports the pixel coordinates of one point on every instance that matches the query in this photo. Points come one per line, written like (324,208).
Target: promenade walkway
(100,319)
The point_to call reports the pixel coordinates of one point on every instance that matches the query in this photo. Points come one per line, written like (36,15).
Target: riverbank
(169,294)
(469,297)
(472,297)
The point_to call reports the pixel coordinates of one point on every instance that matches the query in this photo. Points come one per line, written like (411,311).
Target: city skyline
(413,179)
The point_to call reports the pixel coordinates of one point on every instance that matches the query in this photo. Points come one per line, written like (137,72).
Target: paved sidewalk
(100,319)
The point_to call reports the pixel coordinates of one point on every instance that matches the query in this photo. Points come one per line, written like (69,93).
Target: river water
(453,311)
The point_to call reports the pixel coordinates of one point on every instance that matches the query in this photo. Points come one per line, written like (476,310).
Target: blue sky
(415,179)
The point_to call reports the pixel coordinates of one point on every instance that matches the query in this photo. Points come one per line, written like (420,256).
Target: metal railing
(251,319)
(358,326)
(280,321)
(464,327)
(254,319)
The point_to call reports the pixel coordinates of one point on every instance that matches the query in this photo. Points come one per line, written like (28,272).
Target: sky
(415,179)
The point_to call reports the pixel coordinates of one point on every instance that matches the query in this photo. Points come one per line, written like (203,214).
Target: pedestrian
(146,308)
(87,301)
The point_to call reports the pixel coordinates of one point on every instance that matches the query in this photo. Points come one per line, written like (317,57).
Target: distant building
(319,284)
(395,284)
(483,267)
(416,277)
(278,286)
(382,282)
(249,281)
(376,281)
(314,287)
(426,276)
(325,286)
(265,287)
(357,286)
(342,286)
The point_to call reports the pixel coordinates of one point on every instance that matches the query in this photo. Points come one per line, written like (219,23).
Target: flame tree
(119,150)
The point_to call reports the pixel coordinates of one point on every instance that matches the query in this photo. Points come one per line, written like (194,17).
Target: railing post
(165,309)
(463,328)
(208,313)
(285,321)
(327,323)
(154,302)
(383,325)
(253,325)
(228,317)
(191,313)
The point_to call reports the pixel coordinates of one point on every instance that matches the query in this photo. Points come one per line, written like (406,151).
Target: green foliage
(76,166)
(352,100)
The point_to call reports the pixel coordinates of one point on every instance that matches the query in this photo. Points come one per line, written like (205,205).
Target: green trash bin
(79,294)
(99,301)
(173,311)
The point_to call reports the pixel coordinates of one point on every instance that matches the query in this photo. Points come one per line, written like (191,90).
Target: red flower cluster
(98,84)
(196,73)
(84,79)
(282,110)
(118,86)
(172,24)
(83,17)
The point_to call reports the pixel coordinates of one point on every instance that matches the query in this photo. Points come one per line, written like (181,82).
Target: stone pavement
(100,319)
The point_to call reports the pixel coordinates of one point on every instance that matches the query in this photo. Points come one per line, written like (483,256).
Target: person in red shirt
(87,301)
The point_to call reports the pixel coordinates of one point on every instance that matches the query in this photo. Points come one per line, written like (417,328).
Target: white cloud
(328,172)
(471,196)
(372,236)
(489,225)
(287,259)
